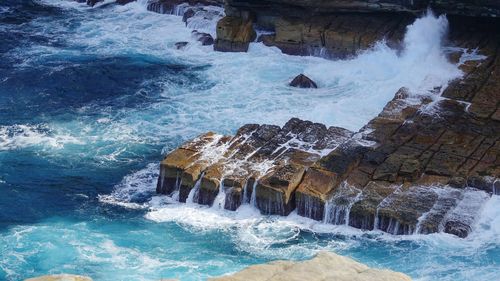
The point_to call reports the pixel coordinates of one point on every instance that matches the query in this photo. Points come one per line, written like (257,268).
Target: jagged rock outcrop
(423,166)
(262,164)
(324,266)
(419,167)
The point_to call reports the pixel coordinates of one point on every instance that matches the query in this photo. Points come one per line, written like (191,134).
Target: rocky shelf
(425,164)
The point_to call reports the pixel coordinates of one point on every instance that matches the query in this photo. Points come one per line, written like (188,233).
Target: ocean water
(92,98)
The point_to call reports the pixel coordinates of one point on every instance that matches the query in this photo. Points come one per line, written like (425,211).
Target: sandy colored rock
(324,266)
(60,277)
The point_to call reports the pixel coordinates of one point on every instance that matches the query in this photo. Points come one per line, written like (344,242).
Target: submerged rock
(205,38)
(324,266)
(93,2)
(302,81)
(181,45)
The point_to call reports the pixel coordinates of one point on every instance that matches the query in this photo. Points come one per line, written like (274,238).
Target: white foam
(24,135)
(135,187)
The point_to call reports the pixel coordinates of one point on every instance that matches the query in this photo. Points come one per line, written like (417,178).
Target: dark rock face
(168,6)
(306,8)
(338,28)
(302,81)
(124,2)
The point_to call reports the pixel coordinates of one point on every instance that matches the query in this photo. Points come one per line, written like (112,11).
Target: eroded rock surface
(261,163)
(425,164)
(324,266)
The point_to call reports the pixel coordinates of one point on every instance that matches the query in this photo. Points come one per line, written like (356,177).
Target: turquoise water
(90,100)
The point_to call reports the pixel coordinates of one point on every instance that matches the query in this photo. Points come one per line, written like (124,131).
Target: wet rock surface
(417,167)
(261,164)
(425,164)
(302,81)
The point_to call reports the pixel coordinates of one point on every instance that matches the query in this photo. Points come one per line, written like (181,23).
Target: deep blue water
(90,100)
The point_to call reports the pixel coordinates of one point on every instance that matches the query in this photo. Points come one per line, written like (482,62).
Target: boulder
(324,266)
(302,81)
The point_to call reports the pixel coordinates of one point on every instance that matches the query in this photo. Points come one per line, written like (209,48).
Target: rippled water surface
(90,100)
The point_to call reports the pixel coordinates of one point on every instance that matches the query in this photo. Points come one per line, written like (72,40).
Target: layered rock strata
(341,28)
(262,164)
(425,164)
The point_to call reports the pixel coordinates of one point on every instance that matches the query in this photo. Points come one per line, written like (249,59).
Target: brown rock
(234,34)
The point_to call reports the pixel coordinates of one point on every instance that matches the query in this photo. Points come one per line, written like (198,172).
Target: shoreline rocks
(410,170)
(323,266)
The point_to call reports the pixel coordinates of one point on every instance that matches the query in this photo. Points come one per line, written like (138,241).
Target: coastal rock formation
(60,277)
(262,164)
(302,81)
(423,165)
(234,34)
(342,28)
(324,266)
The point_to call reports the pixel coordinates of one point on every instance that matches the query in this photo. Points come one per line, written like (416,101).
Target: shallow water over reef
(90,100)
